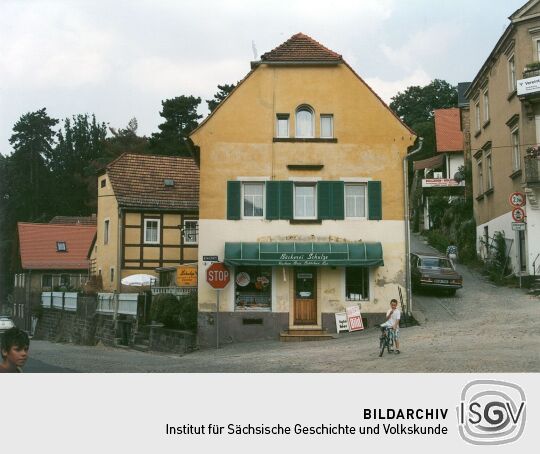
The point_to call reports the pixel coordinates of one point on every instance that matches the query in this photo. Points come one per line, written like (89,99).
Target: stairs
(535,286)
(141,341)
(301,335)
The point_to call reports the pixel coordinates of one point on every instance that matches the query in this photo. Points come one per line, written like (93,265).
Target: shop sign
(303,258)
(529,85)
(354,317)
(186,276)
(342,324)
(441,183)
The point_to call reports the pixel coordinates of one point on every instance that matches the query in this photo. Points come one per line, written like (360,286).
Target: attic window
(168,182)
(61,246)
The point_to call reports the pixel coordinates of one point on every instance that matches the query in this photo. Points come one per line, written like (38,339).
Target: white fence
(127,303)
(59,300)
(176,291)
(105,303)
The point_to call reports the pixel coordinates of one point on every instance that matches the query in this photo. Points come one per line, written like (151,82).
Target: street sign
(210,258)
(517,199)
(519,226)
(518,214)
(218,275)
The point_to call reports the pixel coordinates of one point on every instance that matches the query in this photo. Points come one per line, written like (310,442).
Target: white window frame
(185,229)
(480,175)
(477,115)
(283,117)
(305,184)
(106,230)
(485,97)
(489,165)
(364,185)
(146,221)
(331,117)
(536,49)
(516,152)
(304,107)
(244,183)
(512,73)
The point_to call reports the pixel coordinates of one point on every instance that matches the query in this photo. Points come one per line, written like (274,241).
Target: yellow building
(147,216)
(301,196)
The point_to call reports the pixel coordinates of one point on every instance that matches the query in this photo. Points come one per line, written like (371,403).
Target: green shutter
(233,199)
(272,200)
(338,200)
(324,199)
(286,200)
(374,200)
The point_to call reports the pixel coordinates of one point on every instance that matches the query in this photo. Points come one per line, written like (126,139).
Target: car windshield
(435,262)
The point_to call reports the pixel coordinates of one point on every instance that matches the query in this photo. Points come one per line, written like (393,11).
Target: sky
(119,59)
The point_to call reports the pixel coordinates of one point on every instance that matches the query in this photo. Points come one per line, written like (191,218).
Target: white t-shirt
(395,317)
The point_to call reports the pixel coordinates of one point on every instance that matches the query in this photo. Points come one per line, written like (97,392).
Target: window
(355,200)
(305,201)
(327,126)
(253,200)
(282,125)
(61,246)
(151,231)
(112,274)
(486,106)
(537,49)
(65,281)
(512,73)
(480,175)
(356,283)
(304,122)
(46,281)
(477,115)
(516,156)
(103,183)
(489,165)
(191,231)
(106,225)
(253,288)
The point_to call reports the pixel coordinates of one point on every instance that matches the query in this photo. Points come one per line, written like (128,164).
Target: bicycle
(386,340)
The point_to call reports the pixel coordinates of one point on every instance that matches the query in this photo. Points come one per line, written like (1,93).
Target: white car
(5,323)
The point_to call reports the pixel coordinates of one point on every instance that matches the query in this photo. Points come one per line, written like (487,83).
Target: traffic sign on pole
(517,199)
(218,275)
(518,214)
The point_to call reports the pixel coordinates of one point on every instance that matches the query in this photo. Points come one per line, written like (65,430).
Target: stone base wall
(172,341)
(240,326)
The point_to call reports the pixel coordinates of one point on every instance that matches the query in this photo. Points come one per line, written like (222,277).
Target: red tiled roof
(37,243)
(301,47)
(81,220)
(138,181)
(448,130)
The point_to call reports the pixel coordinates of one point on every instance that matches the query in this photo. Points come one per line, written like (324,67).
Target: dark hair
(393,300)
(14,337)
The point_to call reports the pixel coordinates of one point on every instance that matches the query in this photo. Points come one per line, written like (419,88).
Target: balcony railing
(532,171)
(532,72)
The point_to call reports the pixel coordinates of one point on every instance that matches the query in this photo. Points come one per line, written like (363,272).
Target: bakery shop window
(253,288)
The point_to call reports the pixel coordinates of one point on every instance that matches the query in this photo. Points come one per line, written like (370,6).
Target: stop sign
(217,275)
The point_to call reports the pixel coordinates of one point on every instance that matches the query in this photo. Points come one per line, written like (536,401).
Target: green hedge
(175,312)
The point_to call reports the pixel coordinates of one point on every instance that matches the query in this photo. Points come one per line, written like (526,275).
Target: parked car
(5,323)
(434,271)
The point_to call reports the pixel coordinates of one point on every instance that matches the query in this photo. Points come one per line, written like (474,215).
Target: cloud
(386,89)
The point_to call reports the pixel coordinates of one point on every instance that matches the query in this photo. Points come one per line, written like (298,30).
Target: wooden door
(305,296)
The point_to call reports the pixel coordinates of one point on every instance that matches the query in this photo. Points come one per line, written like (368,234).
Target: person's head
(393,303)
(14,346)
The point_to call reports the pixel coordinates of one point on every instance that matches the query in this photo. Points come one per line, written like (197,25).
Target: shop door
(305,296)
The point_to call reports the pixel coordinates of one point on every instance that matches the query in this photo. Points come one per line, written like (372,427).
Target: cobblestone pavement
(483,328)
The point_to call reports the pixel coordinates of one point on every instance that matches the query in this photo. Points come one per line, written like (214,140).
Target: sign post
(518,200)
(218,276)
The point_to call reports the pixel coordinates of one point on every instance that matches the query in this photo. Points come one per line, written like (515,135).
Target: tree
(125,139)
(222,93)
(415,107)
(181,118)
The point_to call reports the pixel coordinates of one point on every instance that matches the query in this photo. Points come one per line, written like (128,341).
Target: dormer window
(304,122)
(168,182)
(61,246)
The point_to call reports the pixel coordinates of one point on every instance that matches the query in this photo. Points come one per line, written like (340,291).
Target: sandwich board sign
(354,318)
(342,324)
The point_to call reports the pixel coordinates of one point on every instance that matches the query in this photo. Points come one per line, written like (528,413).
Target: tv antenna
(254,49)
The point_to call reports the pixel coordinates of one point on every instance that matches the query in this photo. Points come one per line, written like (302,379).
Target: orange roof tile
(301,47)
(38,248)
(82,220)
(448,130)
(138,181)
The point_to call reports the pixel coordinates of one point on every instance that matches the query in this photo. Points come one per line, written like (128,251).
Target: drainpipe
(407,226)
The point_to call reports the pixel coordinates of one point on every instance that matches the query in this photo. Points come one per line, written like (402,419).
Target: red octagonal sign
(218,275)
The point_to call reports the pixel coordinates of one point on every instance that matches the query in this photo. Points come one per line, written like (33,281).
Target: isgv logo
(491,412)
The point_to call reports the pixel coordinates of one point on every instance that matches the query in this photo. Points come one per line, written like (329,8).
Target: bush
(437,239)
(175,313)
(188,312)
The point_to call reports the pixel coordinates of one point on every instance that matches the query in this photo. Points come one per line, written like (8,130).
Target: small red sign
(518,214)
(517,199)
(218,275)
(354,318)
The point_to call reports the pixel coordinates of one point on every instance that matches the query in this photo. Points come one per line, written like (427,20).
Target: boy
(392,321)
(14,348)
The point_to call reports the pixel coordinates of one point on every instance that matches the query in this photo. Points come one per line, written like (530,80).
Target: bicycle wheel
(382,344)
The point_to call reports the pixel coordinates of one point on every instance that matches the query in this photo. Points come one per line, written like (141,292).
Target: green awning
(304,254)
